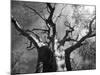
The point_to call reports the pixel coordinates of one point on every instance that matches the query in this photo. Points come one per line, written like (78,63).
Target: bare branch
(90,24)
(24,33)
(50,7)
(44,30)
(92,35)
(62,42)
(30,46)
(49,20)
(17,26)
(34,34)
(66,37)
(67,24)
(39,15)
(80,42)
(60,15)
(34,11)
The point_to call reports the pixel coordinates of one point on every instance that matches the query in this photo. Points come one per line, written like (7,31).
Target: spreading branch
(80,42)
(49,23)
(34,34)
(66,37)
(24,32)
(45,20)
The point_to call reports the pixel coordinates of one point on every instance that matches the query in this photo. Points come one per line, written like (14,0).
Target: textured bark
(68,63)
(47,57)
(67,60)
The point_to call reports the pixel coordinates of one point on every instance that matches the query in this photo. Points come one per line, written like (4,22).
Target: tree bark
(46,56)
(67,61)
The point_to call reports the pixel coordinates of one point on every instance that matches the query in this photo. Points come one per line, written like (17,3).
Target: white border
(93,2)
(5,36)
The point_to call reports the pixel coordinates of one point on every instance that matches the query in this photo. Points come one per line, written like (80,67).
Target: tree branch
(49,20)
(66,37)
(46,21)
(69,26)
(24,32)
(44,30)
(90,24)
(34,11)
(79,43)
(50,7)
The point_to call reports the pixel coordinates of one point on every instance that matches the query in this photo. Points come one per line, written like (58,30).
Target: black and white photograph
(52,37)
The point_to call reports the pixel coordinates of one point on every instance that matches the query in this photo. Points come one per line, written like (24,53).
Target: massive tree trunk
(46,56)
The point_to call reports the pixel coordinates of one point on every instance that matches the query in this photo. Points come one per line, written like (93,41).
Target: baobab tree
(53,50)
